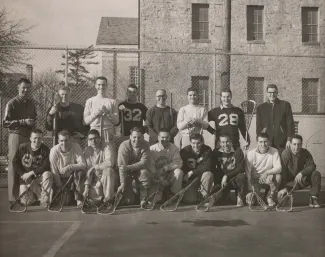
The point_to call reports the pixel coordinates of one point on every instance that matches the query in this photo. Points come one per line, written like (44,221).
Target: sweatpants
(104,186)
(137,181)
(313,180)
(239,184)
(41,187)
(14,141)
(202,186)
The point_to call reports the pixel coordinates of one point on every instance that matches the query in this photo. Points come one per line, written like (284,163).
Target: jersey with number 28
(133,116)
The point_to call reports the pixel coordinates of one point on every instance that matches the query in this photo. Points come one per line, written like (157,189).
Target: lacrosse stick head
(18,206)
(285,204)
(248,108)
(150,202)
(88,206)
(256,203)
(172,203)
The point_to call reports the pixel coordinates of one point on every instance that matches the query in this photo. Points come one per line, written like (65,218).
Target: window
(255,89)
(309,95)
(309,18)
(255,23)
(134,74)
(201,83)
(296,127)
(200,21)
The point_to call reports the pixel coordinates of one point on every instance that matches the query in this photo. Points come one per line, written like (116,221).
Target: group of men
(127,163)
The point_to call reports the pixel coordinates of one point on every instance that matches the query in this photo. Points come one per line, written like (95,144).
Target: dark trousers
(239,184)
(14,141)
(313,180)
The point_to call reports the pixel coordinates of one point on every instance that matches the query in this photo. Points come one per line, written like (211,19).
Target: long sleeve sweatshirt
(293,164)
(192,112)
(230,164)
(96,103)
(26,159)
(74,160)
(197,163)
(257,164)
(168,158)
(134,159)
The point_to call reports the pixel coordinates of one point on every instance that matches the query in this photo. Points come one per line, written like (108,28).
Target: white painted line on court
(63,239)
(37,221)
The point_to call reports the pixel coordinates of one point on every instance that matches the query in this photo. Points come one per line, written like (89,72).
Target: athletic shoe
(240,202)
(313,202)
(143,204)
(270,202)
(248,200)
(79,204)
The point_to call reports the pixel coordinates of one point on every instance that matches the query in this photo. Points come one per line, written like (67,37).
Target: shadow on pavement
(216,223)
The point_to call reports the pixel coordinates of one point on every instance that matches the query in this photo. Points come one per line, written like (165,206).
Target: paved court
(225,231)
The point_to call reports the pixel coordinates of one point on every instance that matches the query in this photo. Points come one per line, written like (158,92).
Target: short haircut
(296,136)
(196,136)
(134,86)
(36,131)
(162,90)
(23,80)
(192,89)
(136,129)
(64,133)
(93,132)
(225,135)
(163,130)
(262,135)
(226,90)
(64,88)
(271,86)
(101,78)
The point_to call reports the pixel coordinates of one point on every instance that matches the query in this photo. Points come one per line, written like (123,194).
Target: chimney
(29,72)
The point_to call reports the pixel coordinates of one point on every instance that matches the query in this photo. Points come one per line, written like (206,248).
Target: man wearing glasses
(160,117)
(274,117)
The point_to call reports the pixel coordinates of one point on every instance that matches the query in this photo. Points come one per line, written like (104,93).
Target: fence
(301,81)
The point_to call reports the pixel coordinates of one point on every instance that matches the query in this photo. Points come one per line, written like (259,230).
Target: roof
(118,31)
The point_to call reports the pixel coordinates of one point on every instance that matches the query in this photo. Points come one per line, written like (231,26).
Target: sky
(67,22)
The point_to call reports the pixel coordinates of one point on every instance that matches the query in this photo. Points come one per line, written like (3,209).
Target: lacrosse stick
(248,108)
(256,203)
(56,205)
(213,197)
(151,201)
(286,203)
(110,206)
(173,202)
(88,206)
(20,204)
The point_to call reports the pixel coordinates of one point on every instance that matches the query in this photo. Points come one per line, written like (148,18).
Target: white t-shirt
(188,112)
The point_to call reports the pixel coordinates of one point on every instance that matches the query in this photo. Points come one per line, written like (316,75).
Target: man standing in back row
(274,117)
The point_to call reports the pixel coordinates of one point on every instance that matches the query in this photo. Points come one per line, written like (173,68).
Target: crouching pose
(101,176)
(166,162)
(263,168)
(197,162)
(67,159)
(133,161)
(229,164)
(299,167)
(31,162)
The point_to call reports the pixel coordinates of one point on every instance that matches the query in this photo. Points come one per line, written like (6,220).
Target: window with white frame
(255,23)
(310,95)
(309,20)
(200,21)
(134,75)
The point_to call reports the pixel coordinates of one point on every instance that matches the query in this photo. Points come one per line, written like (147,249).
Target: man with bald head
(161,116)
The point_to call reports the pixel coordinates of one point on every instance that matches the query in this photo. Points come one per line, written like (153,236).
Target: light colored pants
(185,140)
(41,187)
(173,180)
(14,141)
(272,182)
(104,186)
(203,186)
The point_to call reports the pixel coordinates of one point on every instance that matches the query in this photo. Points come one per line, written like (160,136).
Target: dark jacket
(275,120)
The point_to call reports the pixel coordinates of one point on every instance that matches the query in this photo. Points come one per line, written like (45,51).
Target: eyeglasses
(161,96)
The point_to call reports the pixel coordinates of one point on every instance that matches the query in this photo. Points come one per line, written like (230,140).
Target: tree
(12,34)
(78,74)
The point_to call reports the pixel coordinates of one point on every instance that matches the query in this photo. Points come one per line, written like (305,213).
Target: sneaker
(248,199)
(240,202)
(313,202)
(79,204)
(270,202)
(143,204)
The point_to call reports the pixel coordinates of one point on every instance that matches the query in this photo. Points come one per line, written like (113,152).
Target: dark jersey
(228,120)
(26,159)
(134,114)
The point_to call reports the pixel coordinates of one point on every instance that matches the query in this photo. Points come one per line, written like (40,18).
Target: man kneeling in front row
(31,161)
(299,167)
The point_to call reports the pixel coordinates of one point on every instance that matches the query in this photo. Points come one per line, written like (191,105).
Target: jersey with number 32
(133,116)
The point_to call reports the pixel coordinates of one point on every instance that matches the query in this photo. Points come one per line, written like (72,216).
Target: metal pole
(66,66)
(114,74)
